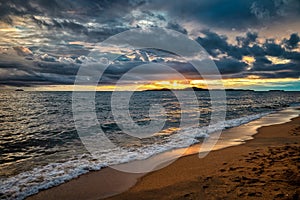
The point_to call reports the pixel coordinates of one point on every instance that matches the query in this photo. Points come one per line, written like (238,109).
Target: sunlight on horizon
(232,83)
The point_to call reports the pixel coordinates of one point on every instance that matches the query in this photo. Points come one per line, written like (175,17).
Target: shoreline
(263,168)
(94,185)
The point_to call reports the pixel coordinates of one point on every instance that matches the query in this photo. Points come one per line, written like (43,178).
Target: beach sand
(267,167)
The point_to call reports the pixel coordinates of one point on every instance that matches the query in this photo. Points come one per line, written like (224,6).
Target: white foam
(31,182)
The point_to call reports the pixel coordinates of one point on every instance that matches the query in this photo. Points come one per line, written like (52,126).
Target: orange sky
(247,82)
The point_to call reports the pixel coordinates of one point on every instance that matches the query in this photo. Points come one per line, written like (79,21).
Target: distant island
(276,91)
(19,90)
(197,89)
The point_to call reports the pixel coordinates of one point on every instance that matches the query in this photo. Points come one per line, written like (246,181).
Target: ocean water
(40,147)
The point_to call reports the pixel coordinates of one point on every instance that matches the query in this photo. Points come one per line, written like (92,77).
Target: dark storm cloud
(69,20)
(247,45)
(12,8)
(293,55)
(255,50)
(284,74)
(293,41)
(216,44)
(212,42)
(63,24)
(250,38)
(115,71)
(230,66)
(231,13)
(107,17)
(214,13)
(64,8)
(262,60)
(42,70)
(266,66)
(269,74)
(57,68)
(278,74)
(96,36)
(176,27)
(272,48)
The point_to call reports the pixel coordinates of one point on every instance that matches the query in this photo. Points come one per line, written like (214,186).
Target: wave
(44,177)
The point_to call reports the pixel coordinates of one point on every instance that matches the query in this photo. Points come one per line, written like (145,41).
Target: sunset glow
(245,83)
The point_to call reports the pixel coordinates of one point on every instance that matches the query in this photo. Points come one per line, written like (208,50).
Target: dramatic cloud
(46,42)
(175,26)
(272,59)
(293,41)
(231,13)
(250,38)
(212,42)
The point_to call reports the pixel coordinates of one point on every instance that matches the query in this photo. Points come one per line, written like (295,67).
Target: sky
(254,44)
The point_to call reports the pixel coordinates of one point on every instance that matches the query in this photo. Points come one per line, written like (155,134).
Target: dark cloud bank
(90,21)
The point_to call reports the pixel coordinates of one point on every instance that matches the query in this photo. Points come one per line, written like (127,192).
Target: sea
(40,146)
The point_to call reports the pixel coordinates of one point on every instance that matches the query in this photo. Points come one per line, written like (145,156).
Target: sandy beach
(266,167)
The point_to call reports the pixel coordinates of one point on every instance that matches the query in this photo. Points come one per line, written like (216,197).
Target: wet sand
(267,167)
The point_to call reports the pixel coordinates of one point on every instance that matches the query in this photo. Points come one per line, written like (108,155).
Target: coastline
(177,178)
